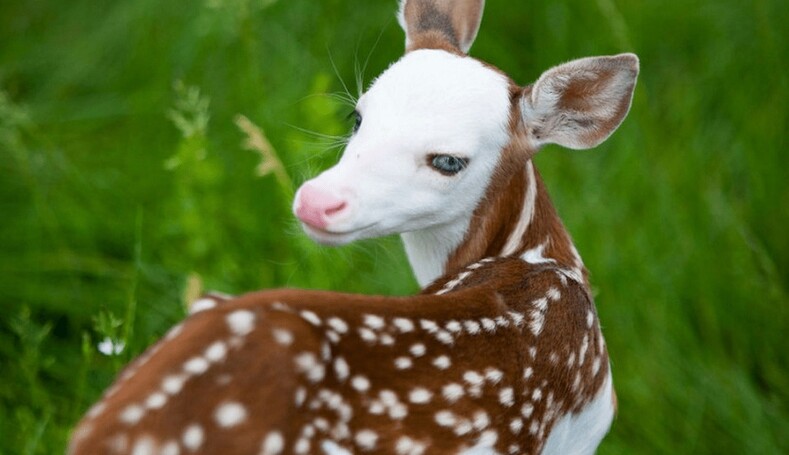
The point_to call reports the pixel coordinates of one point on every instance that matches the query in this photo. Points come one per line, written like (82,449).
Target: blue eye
(447,164)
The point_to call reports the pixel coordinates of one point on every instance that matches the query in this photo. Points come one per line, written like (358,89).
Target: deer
(501,352)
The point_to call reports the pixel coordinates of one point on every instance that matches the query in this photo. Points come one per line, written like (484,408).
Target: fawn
(502,350)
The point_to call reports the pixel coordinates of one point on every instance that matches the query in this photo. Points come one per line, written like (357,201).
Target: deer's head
(432,129)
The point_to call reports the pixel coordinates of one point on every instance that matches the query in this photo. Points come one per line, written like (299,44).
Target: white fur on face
(429,102)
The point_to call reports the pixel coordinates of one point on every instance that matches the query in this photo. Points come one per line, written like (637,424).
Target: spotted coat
(494,361)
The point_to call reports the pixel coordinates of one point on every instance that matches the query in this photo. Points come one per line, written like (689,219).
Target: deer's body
(502,351)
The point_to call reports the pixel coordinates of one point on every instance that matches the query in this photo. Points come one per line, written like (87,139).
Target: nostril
(318,208)
(338,208)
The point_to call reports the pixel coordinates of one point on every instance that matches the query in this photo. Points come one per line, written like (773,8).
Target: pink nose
(314,207)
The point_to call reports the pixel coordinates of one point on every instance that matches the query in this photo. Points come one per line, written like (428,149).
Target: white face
(431,132)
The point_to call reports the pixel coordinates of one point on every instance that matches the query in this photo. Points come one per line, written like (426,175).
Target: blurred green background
(126,187)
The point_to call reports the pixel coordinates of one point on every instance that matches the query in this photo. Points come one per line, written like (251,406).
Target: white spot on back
(388,397)
(463,427)
(445,418)
(341,368)
(494,375)
(428,325)
(156,400)
(132,414)
(403,363)
(310,317)
(472,327)
(230,414)
(118,443)
(272,444)
(453,326)
(373,321)
(473,378)
(360,383)
(535,255)
(300,396)
(307,364)
(193,437)
(398,411)
(201,305)
(302,446)
(517,318)
(481,420)
(403,325)
(216,351)
(386,339)
(407,446)
(506,396)
(452,392)
(282,337)
(420,396)
(173,384)
(528,372)
(488,438)
(145,445)
(488,324)
(338,325)
(366,439)
(367,335)
(516,425)
(170,448)
(541,304)
(196,365)
(418,350)
(444,337)
(241,322)
(332,448)
(442,362)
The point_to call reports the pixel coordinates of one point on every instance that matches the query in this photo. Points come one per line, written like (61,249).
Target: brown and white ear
(440,23)
(580,103)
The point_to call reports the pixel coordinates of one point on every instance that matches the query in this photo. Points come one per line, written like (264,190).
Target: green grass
(124,186)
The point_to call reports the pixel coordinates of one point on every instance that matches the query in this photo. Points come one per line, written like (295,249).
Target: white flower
(109,346)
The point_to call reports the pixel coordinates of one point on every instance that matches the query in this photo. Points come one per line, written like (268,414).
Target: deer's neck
(515,219)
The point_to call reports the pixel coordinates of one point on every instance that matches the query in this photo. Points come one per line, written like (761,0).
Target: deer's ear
(440,23)
(580,103)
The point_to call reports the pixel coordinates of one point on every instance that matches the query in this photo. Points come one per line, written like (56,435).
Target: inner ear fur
(440,24)
(579,104)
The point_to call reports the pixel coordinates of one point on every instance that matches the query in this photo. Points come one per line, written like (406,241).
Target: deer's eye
(357,120)
(447,164)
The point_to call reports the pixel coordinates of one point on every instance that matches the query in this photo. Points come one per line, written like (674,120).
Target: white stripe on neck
(515,240)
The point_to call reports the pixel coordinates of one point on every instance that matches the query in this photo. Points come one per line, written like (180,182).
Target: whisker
(337,73)
(360,74)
